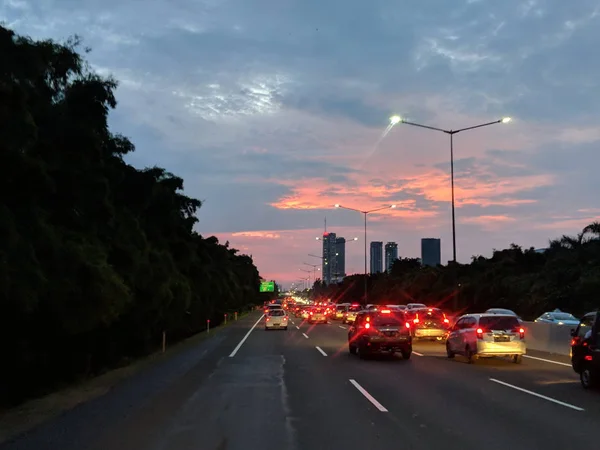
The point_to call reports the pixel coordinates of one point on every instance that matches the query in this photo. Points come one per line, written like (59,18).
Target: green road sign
(267,286)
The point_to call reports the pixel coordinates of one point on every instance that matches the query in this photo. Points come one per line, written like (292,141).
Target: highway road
(247,388)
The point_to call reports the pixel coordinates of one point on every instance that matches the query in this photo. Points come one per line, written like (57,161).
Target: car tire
(469,355)
(352,349)
(517,359)
(587,379)
(361,353)
(406,354)
(285,328)
(449,352)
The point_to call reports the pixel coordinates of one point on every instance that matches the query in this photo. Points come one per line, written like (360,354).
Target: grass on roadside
(32,413)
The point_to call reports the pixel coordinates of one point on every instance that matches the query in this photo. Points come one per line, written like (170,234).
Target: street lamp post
(394,120)
(337,205)
(315,268)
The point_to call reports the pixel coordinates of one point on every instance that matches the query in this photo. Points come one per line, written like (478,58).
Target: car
(415,306)
(503,311)
(429,324)
(350,316)
(340,310)
(277,319)
(558,317)
(317,315)
(585,350)
(380,331)
(487,335)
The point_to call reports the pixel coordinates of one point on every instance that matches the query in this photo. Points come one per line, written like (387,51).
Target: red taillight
(522,333)
(385,311)
(479,333)
(588,357)
(367,325)
(446,321)
(267,319)
(407,324)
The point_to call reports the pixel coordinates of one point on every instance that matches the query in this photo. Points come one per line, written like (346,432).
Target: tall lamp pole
(394,120)
(365,213)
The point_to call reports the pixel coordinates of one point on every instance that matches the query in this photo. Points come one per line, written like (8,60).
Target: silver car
(487,335)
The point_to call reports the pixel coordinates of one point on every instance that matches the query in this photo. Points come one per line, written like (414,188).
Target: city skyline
(270,134)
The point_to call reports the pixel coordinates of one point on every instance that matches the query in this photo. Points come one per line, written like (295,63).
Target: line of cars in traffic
(496,332)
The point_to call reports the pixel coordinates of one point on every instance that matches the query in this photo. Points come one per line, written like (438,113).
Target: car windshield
(391,319)
(500,311)
(499,323)
(355,308)
(563,316)
(434,314)
(277,312)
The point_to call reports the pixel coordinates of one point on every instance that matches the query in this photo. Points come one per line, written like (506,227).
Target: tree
(98,258)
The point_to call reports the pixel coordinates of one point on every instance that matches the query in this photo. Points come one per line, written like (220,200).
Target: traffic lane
(546,377)
(332,409)
(554,379)
(81,427)
(467,404)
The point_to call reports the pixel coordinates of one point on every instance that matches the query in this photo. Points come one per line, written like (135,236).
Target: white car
(487,335)
(277,319)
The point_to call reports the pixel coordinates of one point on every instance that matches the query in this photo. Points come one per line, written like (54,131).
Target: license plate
(501,339)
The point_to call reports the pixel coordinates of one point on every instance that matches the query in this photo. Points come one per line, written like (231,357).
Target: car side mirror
(573,332)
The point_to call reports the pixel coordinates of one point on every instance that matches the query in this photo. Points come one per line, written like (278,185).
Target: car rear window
(391,319)
(499,322)
(277,312)
(355,308)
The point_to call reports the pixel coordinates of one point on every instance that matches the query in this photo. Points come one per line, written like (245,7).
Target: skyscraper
(431,253)
(340,259)
(376,257)
(329,267)
(391,255)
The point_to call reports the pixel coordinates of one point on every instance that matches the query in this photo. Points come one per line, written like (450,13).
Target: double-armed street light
(394,120)
(365,213)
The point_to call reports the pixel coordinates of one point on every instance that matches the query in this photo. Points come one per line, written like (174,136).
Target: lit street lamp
(365,214)
(394,120)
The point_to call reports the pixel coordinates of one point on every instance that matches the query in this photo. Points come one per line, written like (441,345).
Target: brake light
(367,325)
(479,333)
(368,319)
(385,311)
(446,321)
(588,357)
(268,319)
(416,319)
(407,324)
(522,333)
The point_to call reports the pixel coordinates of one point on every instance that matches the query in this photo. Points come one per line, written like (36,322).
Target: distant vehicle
(585,350)
(317,315)
(340,310)
(350,316)
(428,324)
(558,317)
(485,335)
(276,319)
(415,306)
(380,331)
(502,311)
(396,307)
(273,307)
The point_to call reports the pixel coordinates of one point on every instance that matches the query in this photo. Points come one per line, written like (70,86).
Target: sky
(275,110)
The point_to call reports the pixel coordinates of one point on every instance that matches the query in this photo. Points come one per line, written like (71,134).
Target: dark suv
(380,331)
(585,350)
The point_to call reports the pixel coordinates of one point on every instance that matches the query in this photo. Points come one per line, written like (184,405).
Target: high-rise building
(391,255)
(376,257)
(431,253)
(340,259)
(329,268)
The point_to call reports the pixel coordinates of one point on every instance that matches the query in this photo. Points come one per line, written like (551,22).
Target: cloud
(274,111)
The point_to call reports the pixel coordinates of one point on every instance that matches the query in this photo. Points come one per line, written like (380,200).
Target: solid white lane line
(321,351)
(305,335)
(535,394)
(547,360)
(417,353)
(368,396)
(297,327)
(343,328)
(235,350)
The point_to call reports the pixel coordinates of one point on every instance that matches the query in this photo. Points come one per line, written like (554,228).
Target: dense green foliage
(97,257)
(565,276)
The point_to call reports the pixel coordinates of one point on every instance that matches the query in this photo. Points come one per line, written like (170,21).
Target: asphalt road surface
(301,390)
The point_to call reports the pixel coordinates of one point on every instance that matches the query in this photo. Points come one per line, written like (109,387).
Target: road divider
(535,394)
(235,350)
(320,350)
(368,396)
